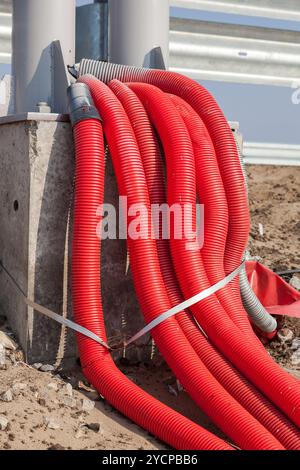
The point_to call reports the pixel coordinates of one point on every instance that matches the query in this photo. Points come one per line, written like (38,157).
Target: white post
(139,32)
(36,25)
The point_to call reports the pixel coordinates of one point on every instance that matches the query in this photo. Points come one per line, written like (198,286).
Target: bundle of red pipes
(228,374)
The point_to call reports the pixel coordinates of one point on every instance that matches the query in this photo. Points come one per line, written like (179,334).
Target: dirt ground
(59,410)
(275,204)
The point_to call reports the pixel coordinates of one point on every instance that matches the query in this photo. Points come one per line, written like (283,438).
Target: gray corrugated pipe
(256,311)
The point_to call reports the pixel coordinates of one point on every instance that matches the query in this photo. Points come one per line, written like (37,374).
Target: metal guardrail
(5,31)
(215,51)
(275,9)
(242,54)
(271,154)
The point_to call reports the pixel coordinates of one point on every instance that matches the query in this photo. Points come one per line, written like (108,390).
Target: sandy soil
(44,412)
(103,427)
(275,203)
(48,418)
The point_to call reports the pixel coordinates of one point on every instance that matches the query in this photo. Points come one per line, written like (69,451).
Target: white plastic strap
(186,304)
(157,321)
(67,322)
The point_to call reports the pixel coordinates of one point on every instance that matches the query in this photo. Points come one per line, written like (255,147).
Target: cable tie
(65,321)
(154,323)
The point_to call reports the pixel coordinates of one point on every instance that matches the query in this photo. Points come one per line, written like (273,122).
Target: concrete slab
(36,189)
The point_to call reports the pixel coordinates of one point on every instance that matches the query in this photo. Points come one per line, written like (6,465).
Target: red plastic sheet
(276,295)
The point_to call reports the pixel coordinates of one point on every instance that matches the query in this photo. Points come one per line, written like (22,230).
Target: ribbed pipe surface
(96,361)
(179,354)
(201,159)
(151,156)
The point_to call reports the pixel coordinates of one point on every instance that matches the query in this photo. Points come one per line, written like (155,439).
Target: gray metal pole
(139,32)
(39,69)
(92,31)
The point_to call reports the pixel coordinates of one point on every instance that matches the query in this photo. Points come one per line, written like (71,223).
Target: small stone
(51,423)
(295,282)
(67,390)
(7,342)
(47,368)
(87,405)
(18,388)
(37,365)
(68,401)
(95,427)
(52,386)
(295,358)
(3,423)
(42,401)
(7,396)
(295,344)
(285,335)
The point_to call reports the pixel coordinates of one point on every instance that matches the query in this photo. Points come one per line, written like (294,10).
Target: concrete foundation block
(36,191)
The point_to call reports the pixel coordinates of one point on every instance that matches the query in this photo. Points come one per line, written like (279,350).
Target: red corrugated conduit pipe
(222,370)
(241,350)
(252,361)
(96,361)
(212,195)
(152,288)
(206,391)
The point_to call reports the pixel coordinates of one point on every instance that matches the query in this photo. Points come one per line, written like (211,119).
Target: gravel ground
(58,409)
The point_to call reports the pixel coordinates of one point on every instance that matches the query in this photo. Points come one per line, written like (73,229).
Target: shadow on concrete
(53,248)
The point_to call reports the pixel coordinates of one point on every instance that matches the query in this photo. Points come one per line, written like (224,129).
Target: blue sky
(265,113)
